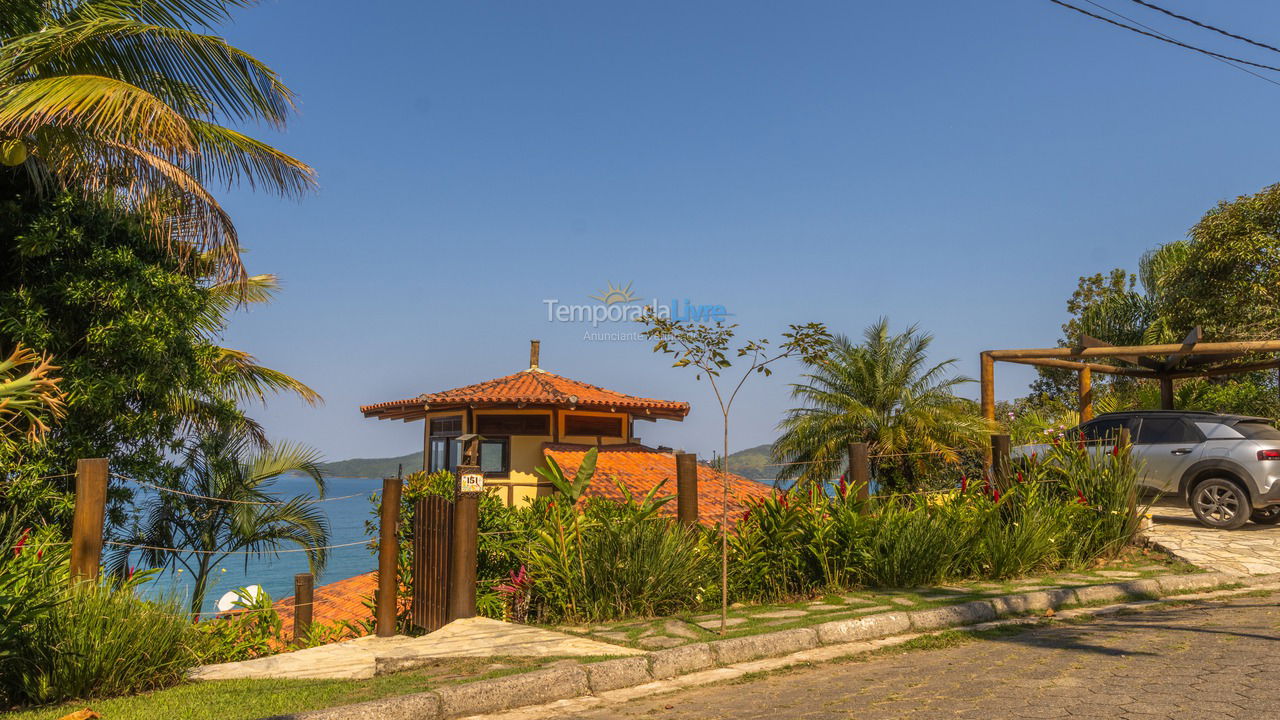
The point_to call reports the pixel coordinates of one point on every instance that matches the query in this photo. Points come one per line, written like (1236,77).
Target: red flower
(40,553)
(784,501)
(1115,450)
(1080,498)
(551,504)
(17,549)
(746,516)
(844,488)
(131,569)
(995,495)
(1033,457)
(964,483)
(1019,478)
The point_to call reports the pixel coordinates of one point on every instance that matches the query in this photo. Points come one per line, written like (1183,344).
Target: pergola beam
(1077,366)
(1134,351)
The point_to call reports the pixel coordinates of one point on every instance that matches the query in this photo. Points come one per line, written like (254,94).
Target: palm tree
(219,504)
(882,392)
(28,392)
(127,100)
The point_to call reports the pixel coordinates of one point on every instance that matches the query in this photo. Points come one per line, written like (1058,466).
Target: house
(528,416)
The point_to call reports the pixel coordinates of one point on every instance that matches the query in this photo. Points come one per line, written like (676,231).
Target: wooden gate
(432,537)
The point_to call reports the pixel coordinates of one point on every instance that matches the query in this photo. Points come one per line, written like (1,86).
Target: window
(593,426)
(1103,429)
(1165,430)
(513,424)
(444,449)
(1218,431)
(1255,430)
(494,456)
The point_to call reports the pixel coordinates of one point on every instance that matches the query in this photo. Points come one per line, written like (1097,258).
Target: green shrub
(104,640)
(33,576)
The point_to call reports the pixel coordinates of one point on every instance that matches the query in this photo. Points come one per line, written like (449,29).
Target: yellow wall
(526,450)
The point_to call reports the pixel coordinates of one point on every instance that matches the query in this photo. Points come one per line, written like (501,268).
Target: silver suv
(1225,467)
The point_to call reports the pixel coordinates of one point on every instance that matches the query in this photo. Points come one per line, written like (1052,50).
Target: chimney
(534,347)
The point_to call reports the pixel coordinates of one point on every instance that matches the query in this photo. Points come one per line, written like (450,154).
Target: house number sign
(471,482)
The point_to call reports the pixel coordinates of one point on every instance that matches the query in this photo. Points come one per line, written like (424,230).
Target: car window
(1255,430)
(1155,430)
(1218,431)
(1104,429)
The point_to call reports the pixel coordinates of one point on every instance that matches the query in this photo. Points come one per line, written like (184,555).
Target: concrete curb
(826,639)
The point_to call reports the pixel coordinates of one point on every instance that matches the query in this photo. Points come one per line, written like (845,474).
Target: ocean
(275,573)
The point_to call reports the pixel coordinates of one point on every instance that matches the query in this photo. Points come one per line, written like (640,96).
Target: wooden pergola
(1164,363)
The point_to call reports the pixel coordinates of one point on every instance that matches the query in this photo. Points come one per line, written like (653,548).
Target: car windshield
(1257,430)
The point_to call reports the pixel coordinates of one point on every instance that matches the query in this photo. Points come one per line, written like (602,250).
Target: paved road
(1219,660)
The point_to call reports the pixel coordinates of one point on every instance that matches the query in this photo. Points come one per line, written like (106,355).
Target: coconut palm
(28,394)
(128,100)
(221,505)
(882,391)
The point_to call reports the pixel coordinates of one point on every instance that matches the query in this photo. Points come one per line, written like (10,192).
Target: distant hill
(751,463)
(373,467)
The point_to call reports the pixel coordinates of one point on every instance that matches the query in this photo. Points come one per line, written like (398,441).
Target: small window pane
(439,454)
(1218,431)
(1163,430)
(1102,429)
(513,424)
(451,425)
(493,456)
(1258,430)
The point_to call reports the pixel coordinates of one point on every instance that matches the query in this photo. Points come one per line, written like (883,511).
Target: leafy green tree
(130,99)
(884,392)
(221,504)
(134,331)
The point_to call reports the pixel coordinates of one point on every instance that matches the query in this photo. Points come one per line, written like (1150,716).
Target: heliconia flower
(1115,450)
(17,549)
(40,553)
(844,487)
(964,483)
(551,504)
(131,570)
(1033,457)
(1019,477)
(995,495)
(1080,498)
(746,516)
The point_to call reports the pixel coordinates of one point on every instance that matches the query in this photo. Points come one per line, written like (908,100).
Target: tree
(706,348)
(134,331)
(883,392)
(219,503)
(130,100)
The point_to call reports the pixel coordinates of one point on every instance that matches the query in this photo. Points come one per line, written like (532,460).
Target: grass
(250,699)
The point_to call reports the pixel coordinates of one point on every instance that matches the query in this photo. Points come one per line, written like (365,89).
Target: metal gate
(432,536)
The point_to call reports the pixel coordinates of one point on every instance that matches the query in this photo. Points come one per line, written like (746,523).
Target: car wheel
(1266,516)
(1220,503)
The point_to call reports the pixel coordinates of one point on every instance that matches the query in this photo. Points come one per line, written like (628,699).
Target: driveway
(1251,550)
(1208,660)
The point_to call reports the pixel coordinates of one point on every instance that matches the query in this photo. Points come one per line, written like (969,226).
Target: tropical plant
(573,488)
(883,392)
(28,394)
(252,628)
(130,99)
(706,348)
(219,503)
(33,577)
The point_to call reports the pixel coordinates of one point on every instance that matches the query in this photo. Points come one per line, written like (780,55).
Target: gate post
(466,520)
(687,488)
(303,602)
(1001,463)
(86,527)
(860,469)
(388,556)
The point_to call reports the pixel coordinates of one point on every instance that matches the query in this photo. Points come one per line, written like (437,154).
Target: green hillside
(753,463)
(373,467)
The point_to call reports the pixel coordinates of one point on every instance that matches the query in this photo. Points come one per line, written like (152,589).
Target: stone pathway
(1208,660)
(1251,550)
(369,656)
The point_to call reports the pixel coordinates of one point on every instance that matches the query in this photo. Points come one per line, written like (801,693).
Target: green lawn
(251,699)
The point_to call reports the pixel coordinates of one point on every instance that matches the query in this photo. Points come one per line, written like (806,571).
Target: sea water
(274,572)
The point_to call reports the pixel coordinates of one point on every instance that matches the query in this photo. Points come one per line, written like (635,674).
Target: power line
(1171,41)
(1206,26)
(1228,63)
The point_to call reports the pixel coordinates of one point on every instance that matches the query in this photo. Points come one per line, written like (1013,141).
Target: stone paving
(1252,550)
(1205,660)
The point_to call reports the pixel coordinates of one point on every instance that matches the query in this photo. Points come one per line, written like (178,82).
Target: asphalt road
(1209,660)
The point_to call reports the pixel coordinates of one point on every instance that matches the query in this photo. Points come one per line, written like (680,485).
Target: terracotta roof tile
(641,468)
(335,602)
(533,386)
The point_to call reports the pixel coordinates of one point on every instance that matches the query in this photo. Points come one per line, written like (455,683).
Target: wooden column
(86,527)
(1086,394)
(1166,393)
(388,557)
(462,559)
(1001,465)
(988,381)
(687,488)
(304,585)
(860,469)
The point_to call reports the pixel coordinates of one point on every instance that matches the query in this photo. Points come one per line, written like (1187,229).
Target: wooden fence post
(303,604)
(687,488)
(462,559)
(86,528)
(1086,394)
(388,558)
(860,469)
(1001,464)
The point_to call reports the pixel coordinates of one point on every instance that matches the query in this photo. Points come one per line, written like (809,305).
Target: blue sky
(952,164)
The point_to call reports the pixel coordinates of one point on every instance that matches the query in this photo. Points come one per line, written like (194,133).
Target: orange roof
(534,386)
(641,468)
(335,602)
